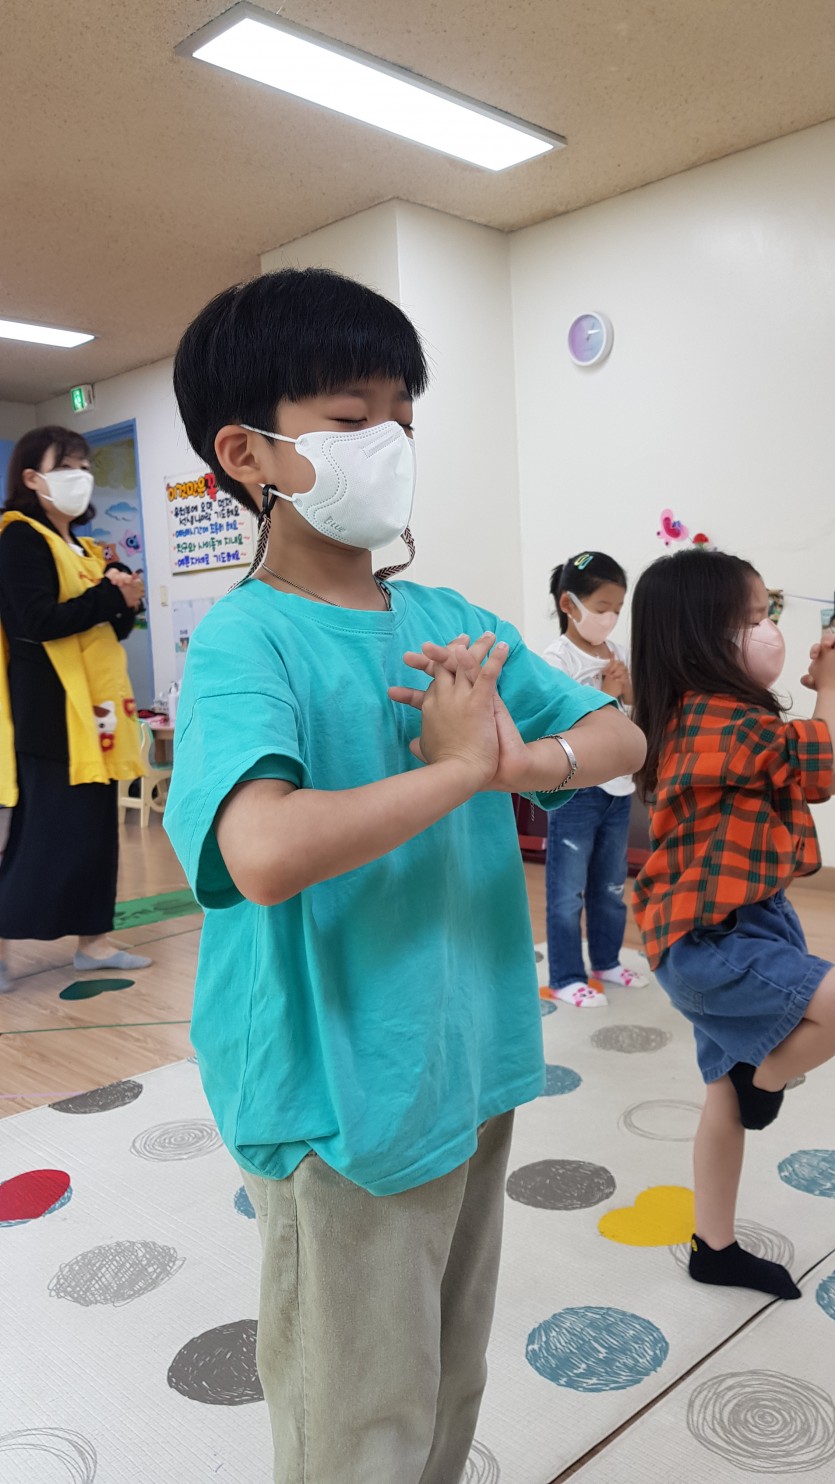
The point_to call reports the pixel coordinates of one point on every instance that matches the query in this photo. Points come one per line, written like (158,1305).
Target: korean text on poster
(207,528)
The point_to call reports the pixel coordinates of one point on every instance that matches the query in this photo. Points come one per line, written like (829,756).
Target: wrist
(462,774)
(548,767)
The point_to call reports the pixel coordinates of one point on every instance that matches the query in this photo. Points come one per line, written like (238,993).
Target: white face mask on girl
(364,487)
(595,628)
(70,490)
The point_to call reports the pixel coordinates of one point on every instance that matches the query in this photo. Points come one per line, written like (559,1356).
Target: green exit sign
(81,398)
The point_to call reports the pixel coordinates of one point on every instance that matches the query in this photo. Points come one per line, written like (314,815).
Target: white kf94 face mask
(364,487)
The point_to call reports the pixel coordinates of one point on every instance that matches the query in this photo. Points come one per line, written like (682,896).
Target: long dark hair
(29,453)
(582,575)
(686,611)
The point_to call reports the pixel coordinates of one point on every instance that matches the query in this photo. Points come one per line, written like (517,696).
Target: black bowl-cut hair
(302,332)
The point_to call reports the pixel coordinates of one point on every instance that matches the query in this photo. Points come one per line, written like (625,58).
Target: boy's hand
(821,672)
(615,679)
(458,721)
(512,759)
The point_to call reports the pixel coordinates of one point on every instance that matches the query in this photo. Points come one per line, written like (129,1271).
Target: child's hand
(512,762)
(821,672)
(615,679)
(458,719)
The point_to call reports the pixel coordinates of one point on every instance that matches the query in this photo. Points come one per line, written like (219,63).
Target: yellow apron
(102,729)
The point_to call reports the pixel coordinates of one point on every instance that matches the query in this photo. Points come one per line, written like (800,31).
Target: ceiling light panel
(269,50)
(12,329)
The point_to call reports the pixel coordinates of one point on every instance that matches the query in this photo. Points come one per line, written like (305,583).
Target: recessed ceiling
(135,184)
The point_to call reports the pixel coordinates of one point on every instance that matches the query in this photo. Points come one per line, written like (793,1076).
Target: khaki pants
(374,1318)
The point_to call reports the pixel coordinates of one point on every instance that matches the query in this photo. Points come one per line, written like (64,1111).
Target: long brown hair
(686,612)
(29,453)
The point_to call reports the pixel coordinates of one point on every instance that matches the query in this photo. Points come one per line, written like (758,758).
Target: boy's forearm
(606,744)
(277,842)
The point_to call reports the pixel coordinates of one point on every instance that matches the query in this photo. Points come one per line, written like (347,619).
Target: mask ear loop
(269,495)
(385,572)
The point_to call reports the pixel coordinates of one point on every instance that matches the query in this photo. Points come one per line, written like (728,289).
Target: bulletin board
(207,529)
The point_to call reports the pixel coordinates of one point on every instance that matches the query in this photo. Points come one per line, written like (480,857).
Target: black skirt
(58,872)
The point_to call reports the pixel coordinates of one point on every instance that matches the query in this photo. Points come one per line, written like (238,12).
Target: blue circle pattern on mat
(596,1349)
(547,1007)
(64,1201)
(559,1080)
(810,1170)
(825,1295)
(243,1204)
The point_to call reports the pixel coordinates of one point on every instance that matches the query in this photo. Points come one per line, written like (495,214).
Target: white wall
(452,278)
(16,418)
(717,399)
(147,396)
(455,286)
(362,247)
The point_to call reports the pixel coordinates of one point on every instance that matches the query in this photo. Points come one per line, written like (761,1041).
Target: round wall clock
(590,338)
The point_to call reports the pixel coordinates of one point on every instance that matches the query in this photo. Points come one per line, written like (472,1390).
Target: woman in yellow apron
(68,727)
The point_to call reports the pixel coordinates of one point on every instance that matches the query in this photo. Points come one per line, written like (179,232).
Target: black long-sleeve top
(30,614)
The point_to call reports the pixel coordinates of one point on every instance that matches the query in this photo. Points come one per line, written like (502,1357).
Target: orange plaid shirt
(729,820)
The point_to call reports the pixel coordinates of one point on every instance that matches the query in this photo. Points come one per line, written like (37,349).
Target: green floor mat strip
(145,910)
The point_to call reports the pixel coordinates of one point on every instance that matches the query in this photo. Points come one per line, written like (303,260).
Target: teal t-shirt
(378,1018)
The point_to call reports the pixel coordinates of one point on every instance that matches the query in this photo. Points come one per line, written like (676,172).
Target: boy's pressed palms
(457,658)
(457,710)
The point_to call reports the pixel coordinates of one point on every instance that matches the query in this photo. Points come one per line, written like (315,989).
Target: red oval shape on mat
(32,1194)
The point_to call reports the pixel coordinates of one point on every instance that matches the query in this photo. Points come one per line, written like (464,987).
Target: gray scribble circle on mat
(794,1082)
(115,1274)
(763,1241)
(764,1422)
(32,1447)
(186,1140)
(482,1466)
(561,1185)
(101,1099)
(218,1367)
(666,1119)
(630,1038)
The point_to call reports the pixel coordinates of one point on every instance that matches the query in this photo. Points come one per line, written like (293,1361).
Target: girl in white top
(587,838)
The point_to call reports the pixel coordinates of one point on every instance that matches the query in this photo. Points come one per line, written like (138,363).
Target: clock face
(589,339)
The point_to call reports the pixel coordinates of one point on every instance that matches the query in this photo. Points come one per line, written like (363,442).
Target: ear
(244,456)
(30,479)
(565,605)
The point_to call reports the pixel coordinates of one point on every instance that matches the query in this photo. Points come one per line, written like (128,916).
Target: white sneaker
(580,995)
(624,978)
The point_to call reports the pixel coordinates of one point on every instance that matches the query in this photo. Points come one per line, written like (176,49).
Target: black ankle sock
(757,1108)
(733,1267)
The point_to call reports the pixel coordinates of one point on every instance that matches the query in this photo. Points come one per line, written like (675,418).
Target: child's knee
(821,1008)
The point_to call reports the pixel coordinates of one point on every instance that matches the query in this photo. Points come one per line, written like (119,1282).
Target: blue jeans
(586,861)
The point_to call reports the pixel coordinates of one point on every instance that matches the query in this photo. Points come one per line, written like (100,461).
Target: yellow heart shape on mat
(660,1217)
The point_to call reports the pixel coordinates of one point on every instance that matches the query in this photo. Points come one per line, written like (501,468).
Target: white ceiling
(135,184)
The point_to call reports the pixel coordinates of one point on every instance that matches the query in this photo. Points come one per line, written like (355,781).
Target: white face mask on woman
(70,490)
(364,486)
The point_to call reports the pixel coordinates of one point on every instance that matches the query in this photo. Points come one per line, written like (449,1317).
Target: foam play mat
(130,1274)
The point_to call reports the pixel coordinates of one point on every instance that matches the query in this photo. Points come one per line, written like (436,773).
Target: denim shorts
(744,984)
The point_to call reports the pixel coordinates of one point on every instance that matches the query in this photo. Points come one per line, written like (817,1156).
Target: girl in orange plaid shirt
(728,781)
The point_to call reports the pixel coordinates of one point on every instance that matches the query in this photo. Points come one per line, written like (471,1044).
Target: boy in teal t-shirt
(366,1014)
